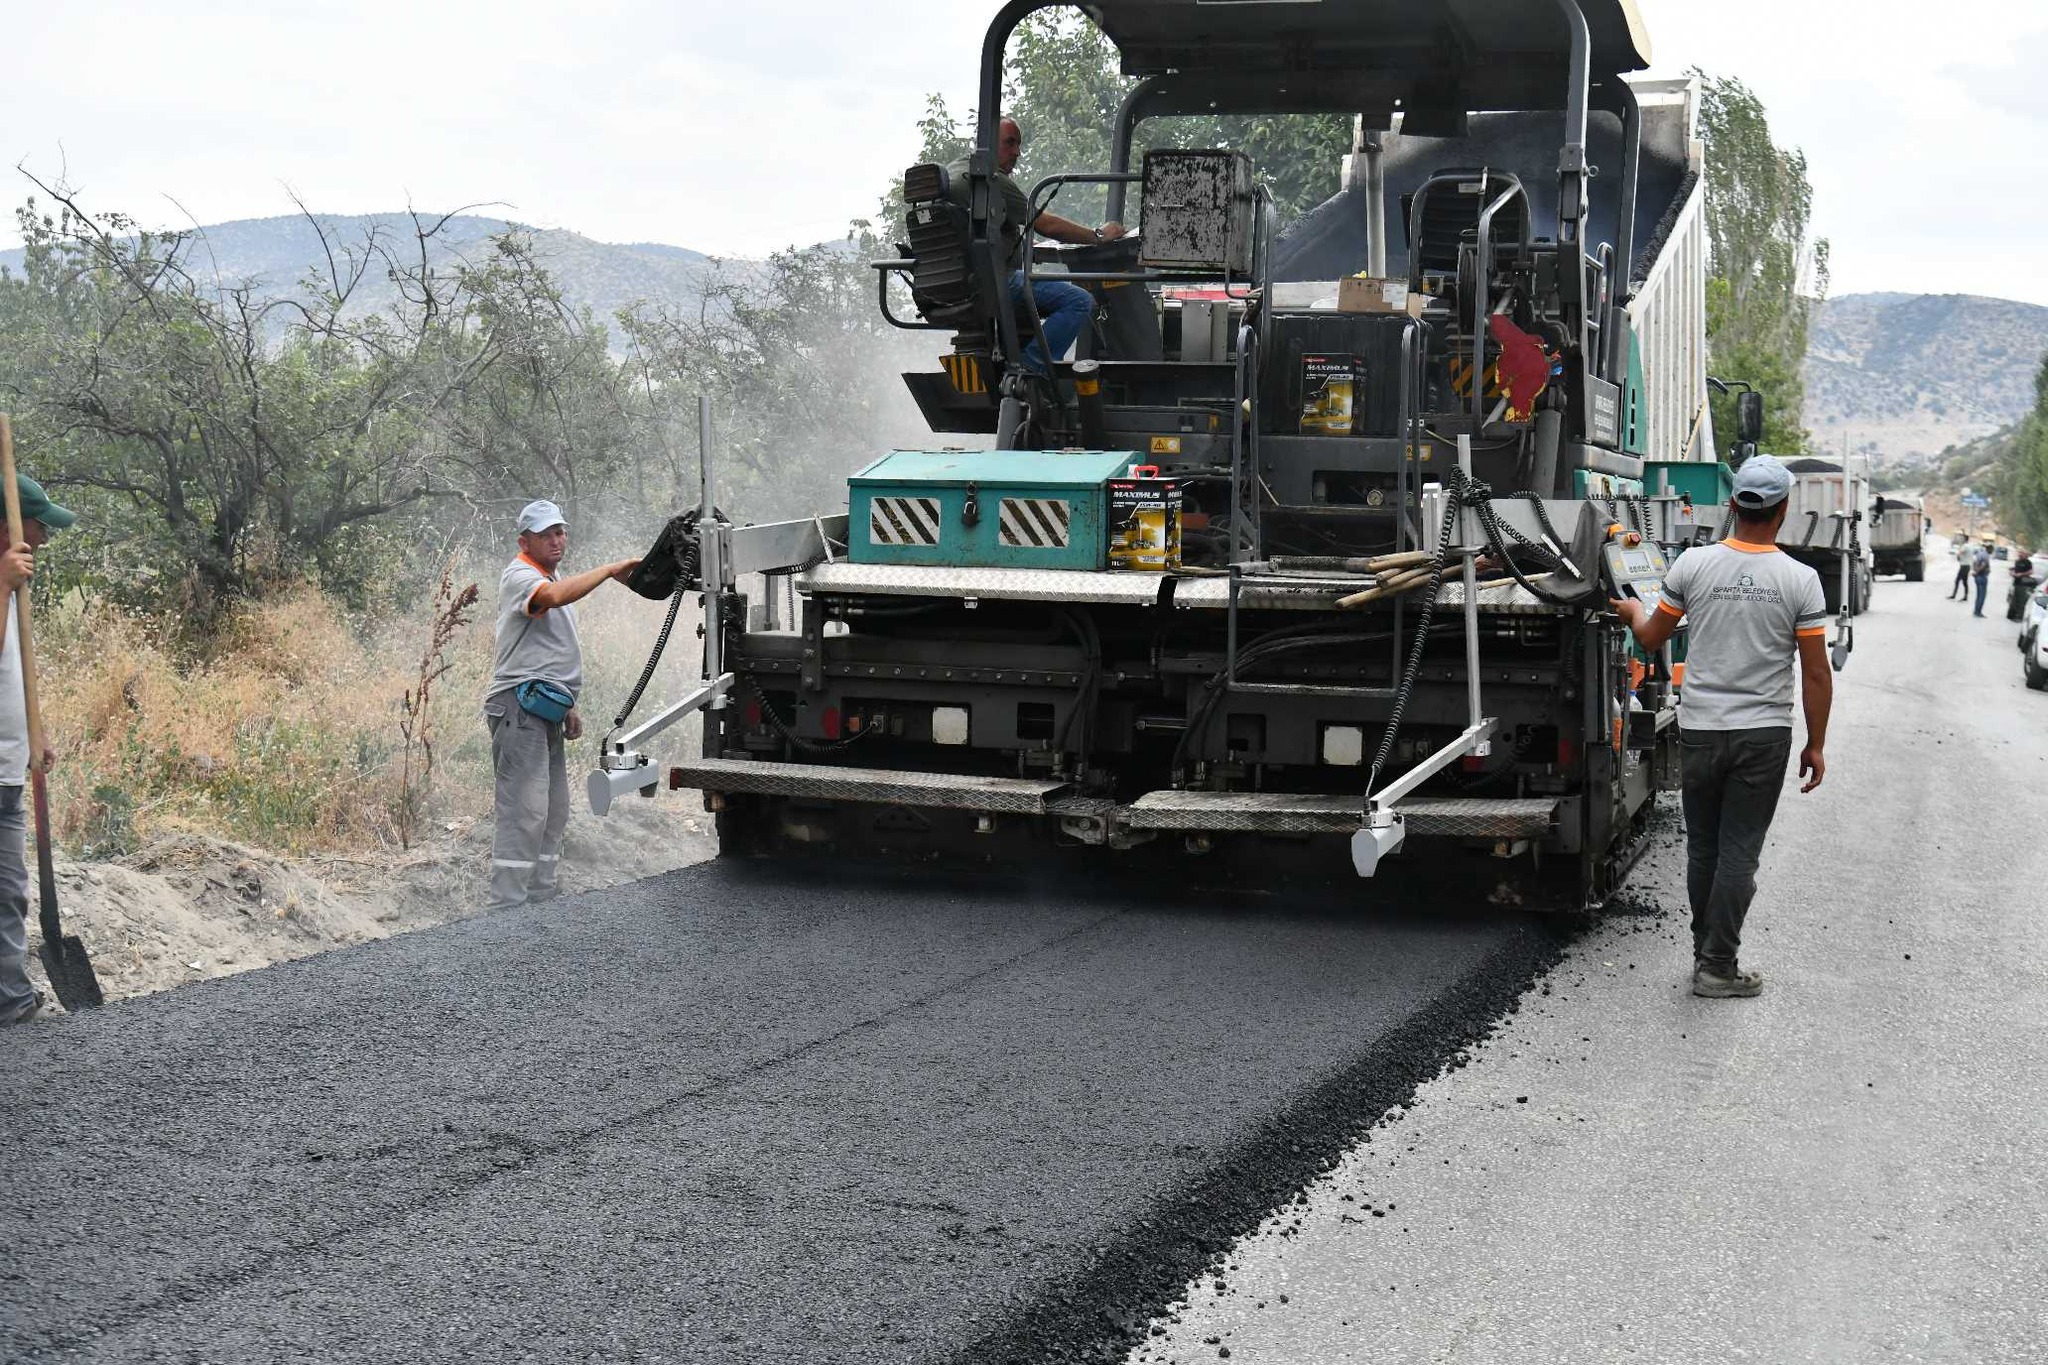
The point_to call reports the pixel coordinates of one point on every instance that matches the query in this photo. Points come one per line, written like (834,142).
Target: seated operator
(1063,309)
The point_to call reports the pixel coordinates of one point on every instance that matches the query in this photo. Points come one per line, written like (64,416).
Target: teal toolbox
(985,509)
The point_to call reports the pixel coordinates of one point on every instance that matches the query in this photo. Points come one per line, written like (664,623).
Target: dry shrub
(280,737)
(285,734)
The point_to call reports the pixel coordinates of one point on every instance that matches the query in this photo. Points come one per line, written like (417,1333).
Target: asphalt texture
(729,1114)
(1848,1168)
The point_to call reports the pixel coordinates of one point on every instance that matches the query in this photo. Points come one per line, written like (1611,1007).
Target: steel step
(1286,813)
(881,786)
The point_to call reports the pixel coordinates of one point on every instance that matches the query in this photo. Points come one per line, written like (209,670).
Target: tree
(538,403)
(1765,273)
(2018,482)
(221,442)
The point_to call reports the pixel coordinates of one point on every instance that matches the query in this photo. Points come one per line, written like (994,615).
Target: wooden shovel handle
(30,700)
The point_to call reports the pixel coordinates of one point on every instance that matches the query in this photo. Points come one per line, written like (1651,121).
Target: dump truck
(1301,563)
(1898,535)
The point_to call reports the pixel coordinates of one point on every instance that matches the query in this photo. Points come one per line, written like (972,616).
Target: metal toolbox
(1197,208)
(1007,509)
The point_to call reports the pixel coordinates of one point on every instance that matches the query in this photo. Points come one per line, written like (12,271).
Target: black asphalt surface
(726,1114)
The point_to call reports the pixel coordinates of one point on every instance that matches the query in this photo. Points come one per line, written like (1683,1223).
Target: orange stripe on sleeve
(1664,605)
(1810,631)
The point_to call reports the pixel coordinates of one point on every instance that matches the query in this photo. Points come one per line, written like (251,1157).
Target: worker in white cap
(530,704)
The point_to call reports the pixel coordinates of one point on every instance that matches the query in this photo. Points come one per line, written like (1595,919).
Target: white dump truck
(1898,522)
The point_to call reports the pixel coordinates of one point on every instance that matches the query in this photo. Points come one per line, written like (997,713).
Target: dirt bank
(186,907)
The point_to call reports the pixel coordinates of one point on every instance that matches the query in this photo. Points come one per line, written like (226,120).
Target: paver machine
(1302,558)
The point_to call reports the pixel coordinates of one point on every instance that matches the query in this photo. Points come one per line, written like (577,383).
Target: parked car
(2034,645)
(2030,620)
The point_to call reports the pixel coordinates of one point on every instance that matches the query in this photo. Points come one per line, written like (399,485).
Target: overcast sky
(737,129)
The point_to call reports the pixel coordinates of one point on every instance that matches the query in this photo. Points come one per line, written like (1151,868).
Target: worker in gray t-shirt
(537,643)
(1752,610)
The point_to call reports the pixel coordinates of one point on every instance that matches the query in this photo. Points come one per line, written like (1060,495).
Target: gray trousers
(15,991)
(1731,782)
(532,803)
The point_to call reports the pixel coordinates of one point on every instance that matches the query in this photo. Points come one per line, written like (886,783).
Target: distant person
(2024,581)
(1961,587)
(1063,309)
(1980,569)
(1753,609)
(19,1001)
(531,705)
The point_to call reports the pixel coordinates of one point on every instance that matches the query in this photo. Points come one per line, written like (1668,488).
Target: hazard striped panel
(1034,523)
(965,372)
(903,521)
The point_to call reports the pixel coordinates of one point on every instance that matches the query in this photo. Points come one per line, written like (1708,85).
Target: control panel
(1633,567)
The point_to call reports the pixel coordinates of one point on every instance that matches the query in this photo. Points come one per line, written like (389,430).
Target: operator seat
(1450,217)
(942,282)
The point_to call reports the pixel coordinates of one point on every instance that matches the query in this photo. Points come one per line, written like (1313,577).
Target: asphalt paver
(1847,1168)
(727,1114)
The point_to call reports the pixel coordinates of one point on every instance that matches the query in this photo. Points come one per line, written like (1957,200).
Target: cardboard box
(1332,390)
(1370,294)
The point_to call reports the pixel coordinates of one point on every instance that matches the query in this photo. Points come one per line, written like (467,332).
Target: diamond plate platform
(1285,813)
(880,786)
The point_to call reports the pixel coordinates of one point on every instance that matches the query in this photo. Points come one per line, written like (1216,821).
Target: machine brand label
(903,521)
(1034,523)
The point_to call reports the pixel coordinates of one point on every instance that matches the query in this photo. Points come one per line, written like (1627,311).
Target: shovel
(64,957)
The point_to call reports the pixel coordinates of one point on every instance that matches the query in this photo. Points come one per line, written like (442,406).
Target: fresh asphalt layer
(1852,1167)
(722,1115)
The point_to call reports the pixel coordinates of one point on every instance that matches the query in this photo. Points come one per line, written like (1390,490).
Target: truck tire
(2037,676)
(1916,570)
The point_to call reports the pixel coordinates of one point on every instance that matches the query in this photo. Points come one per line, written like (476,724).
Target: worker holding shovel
(19,1001)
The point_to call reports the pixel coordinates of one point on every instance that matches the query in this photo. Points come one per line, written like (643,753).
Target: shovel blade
(71,974)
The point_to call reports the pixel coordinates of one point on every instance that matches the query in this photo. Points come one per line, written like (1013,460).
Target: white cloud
(739,129)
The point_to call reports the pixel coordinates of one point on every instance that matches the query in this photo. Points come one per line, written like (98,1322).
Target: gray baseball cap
(539,515)
(1762,482)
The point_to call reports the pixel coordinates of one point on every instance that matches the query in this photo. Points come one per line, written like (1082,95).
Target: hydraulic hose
(688,557)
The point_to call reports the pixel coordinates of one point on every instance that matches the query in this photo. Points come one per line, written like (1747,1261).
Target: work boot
(24,1012)
(1712,985)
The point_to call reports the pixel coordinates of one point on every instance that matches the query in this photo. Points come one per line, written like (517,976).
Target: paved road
(1851,1168)
(719,1116)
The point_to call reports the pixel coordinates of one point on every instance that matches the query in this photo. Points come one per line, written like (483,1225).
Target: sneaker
(23,1013)
(1717,987)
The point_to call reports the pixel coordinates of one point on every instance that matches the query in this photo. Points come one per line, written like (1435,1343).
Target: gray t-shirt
(1748,605)
(543,646)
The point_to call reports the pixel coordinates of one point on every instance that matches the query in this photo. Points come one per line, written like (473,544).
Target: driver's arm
(1067,230)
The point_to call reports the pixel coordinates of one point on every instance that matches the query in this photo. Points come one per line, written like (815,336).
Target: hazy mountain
(1902,375)
(278,252)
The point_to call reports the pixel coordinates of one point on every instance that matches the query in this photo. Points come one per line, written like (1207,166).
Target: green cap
(36,505)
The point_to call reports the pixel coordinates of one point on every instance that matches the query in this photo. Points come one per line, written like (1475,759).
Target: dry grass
(286,735)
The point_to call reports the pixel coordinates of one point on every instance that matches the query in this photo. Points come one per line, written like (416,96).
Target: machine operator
(1752,609)
(1063,309)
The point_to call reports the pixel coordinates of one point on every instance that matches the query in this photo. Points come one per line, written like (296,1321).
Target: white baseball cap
(539,515)
(1763,481)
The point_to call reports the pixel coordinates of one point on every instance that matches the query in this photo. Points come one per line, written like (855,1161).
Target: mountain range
(277,253)
(1892,375)
(1904,375)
